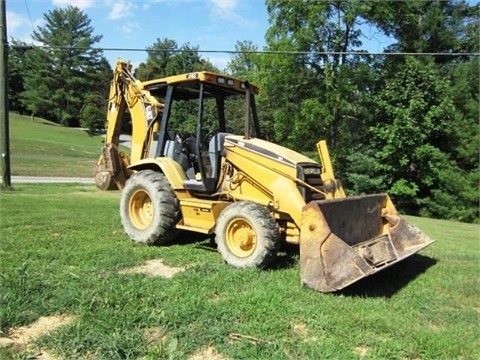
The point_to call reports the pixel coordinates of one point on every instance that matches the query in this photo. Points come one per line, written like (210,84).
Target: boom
(127,97)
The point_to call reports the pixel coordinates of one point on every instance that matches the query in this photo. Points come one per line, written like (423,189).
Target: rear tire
(149,209)
(247,235)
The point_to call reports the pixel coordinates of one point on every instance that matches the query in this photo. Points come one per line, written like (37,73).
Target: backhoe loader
(199,162)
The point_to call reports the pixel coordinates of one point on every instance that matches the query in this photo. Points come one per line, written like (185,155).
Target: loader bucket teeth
(345,240)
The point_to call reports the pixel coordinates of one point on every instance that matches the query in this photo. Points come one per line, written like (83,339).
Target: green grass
(41,148)
(62,247)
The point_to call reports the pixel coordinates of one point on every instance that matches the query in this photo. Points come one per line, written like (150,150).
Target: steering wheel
(209,135)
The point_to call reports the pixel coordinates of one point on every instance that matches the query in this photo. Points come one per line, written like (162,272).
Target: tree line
(407,125)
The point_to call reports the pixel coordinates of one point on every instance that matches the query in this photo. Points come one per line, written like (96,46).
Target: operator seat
(214,153)
(215,148)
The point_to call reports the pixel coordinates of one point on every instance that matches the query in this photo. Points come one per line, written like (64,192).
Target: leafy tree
(414,125)
(61,73)
(462,184)
(165,58)
(428,26)
(435,171)
(313,86)
(244,63)
(396,124)
(39,81)
(187,59)
(158,57)
(465,91)
(93,112)
(16,63)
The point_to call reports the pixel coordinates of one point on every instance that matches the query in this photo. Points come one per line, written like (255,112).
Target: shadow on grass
(389,281)
(201,241)
(382,284)
(287,255)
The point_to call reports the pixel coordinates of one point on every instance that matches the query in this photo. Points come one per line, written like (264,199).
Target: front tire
(149,209)
(247,235)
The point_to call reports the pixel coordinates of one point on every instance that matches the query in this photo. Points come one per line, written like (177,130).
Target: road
(45,180)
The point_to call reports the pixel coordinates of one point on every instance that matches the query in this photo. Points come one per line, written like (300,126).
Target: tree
(313,89)
(244,62)
(60,74)
(402,125)
(93,112)
(158,57)
(187,59)
(425,130)
(428,26)
(414,125)
(16,64)
(165,58)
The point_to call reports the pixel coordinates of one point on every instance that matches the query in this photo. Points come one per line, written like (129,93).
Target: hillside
(41,148)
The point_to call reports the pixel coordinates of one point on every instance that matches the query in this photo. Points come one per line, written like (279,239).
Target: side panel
(200,215)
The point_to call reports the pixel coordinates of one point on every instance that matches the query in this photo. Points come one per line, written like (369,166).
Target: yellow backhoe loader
(198,162)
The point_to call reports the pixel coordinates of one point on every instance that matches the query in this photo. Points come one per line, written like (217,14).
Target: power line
(266,52)
(29,16)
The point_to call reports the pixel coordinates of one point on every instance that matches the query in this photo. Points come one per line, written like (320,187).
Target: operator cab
(200,110)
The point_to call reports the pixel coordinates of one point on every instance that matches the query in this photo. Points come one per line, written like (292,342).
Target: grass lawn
(63,247)
(41,148)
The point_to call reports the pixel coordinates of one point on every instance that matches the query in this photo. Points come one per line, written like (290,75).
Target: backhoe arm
(126,93)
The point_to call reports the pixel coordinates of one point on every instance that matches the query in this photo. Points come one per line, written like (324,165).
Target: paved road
(45,180)
(125,140)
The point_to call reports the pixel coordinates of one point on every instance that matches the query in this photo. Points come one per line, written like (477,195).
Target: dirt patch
(301,330)
(208,353)
(45,356)
(155,335)
(362,351)
(19,338)
(154,268)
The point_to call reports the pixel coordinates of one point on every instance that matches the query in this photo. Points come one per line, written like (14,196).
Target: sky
(137,24)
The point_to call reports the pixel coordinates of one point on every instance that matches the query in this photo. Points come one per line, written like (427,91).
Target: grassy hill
(41,148)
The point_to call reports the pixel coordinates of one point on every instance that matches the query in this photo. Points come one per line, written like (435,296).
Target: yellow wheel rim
(141,209)
(241,238)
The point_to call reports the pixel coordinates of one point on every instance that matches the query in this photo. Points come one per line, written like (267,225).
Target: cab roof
(225,82)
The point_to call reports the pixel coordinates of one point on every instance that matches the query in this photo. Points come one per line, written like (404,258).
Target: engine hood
(267,149)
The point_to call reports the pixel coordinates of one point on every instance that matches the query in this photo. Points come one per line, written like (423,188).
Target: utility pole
(4,122)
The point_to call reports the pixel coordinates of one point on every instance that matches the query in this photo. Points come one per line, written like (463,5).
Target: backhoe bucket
(345,240)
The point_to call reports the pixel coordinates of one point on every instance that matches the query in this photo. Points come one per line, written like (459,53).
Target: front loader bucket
(345,240)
